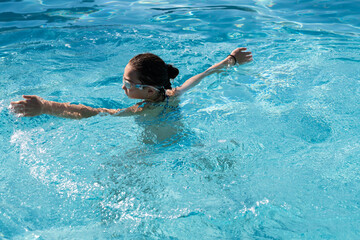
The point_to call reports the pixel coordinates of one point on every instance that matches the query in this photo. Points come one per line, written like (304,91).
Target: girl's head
(150,70)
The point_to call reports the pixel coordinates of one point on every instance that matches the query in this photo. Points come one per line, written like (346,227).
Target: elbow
(85,112)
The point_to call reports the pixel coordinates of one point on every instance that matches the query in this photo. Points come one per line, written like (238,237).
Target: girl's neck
(157,98)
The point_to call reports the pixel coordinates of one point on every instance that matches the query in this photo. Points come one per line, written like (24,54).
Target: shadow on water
(309,128)
(164,130)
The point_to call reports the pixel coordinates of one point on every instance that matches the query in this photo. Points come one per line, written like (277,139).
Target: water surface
(268,150)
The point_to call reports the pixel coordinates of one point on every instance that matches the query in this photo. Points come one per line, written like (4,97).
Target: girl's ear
(150,91)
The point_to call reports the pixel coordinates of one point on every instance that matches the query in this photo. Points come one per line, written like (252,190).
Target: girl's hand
(241,56)
(32,106)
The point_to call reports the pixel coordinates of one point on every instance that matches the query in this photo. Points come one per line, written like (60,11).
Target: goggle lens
(128,85)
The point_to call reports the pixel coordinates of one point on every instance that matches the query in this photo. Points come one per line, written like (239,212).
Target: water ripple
(206,8)
(51,15)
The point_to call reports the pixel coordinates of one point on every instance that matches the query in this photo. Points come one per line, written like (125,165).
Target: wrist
(231,60)
(45,107)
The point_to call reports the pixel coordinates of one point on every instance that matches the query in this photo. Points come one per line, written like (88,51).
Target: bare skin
(35,105)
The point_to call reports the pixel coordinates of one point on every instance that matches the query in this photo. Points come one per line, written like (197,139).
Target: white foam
(1,105)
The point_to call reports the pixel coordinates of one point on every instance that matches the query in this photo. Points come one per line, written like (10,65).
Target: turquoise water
(268,150)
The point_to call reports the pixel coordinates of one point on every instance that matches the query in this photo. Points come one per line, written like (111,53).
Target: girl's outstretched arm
(238,56)
(34,106)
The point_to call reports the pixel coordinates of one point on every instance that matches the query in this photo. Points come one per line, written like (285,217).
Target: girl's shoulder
(169,103)
(171,93)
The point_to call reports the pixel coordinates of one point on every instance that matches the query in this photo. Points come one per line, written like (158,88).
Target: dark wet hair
(154,71)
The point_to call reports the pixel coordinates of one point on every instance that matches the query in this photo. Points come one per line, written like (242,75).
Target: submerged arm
(34,106)
(238,56)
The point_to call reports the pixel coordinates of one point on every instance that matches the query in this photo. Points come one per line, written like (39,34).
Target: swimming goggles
(128,85)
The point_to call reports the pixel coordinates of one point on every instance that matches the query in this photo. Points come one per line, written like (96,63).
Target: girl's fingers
(18,106)
(29,97)
(21,107)
(18,102)
(19,110)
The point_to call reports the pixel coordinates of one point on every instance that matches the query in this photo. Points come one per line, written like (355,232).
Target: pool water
(267,150)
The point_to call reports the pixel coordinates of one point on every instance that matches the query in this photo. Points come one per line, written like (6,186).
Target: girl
(146,76)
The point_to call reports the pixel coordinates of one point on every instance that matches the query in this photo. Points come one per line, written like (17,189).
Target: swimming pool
(267,150)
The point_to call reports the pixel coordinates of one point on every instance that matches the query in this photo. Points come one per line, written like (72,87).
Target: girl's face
(132,76)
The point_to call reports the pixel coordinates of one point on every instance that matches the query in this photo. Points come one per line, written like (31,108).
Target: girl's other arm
(34,106)
(238,56)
